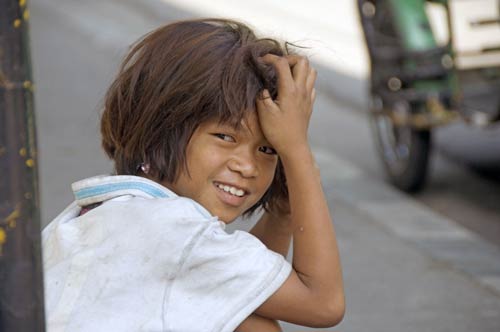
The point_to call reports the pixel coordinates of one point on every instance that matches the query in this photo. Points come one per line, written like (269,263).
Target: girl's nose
(245,164)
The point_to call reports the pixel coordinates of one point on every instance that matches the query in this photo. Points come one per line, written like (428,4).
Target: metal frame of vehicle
(414,84)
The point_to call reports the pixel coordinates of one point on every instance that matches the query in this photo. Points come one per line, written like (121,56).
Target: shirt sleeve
(222,280)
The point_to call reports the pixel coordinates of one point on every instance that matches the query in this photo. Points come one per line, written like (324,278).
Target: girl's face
(229,169)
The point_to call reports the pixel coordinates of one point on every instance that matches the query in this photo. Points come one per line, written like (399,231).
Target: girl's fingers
(295,75)
(282,66)
(311,79)
(301,70)
(264,101)
(292,70)
(292,59)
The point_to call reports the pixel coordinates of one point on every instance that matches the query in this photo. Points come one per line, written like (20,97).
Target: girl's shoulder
(172,208)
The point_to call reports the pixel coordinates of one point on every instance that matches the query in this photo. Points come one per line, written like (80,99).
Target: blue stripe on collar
(110,187)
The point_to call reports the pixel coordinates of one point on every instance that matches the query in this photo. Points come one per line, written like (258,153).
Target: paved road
(408,267)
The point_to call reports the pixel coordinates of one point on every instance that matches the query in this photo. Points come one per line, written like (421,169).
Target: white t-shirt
(149,260)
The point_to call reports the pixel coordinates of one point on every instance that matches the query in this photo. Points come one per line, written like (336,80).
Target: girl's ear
(145,167)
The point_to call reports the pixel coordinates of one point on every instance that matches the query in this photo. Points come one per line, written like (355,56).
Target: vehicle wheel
(404,152)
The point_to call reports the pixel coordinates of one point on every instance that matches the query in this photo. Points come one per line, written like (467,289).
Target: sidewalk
(406,268)
(402,263)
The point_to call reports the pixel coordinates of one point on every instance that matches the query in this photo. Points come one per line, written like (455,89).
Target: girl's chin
(226,214)
(227,219)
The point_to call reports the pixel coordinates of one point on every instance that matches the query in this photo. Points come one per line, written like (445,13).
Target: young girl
(203,123)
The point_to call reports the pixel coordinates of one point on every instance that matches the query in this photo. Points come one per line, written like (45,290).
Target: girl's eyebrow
(243,129)
(225,127)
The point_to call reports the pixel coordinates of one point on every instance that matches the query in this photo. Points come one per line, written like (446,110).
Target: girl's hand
(285,121)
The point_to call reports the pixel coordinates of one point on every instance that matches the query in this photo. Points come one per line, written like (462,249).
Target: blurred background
(427,261)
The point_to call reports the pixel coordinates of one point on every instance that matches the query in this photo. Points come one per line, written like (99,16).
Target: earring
(145,168)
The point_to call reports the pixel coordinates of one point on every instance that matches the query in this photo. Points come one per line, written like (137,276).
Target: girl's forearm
(315,252)
(274,231)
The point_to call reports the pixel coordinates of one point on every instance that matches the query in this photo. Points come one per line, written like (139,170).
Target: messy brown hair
(176,78)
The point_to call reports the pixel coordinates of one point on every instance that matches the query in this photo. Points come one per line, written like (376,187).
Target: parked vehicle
(418,83)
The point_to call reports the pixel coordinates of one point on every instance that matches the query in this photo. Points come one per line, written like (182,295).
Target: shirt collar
(104,187)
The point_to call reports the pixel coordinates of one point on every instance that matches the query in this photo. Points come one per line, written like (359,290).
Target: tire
(404,152)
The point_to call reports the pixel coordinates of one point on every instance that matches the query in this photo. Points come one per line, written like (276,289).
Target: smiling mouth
(235,191)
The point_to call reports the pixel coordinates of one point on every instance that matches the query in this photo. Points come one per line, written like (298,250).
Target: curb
(437,235)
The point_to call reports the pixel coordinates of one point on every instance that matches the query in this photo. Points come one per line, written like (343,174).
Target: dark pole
(21,284)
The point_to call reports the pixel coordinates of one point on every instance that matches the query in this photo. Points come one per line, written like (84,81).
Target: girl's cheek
(270,170)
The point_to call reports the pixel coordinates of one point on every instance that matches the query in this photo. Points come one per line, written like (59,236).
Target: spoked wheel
(404,151)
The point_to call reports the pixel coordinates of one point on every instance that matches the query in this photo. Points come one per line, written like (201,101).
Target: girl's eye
(225,137)
(267,150)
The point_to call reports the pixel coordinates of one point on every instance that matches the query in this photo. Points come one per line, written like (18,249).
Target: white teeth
(231,190)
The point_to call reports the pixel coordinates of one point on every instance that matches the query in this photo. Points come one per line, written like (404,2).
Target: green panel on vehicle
(412,24)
